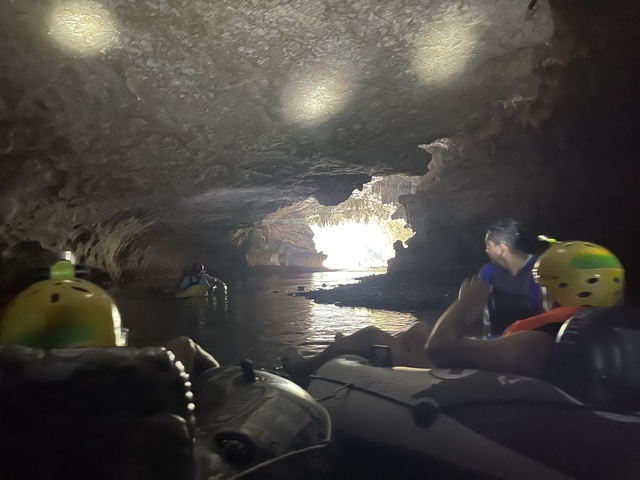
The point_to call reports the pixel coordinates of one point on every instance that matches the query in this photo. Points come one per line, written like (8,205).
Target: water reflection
(258,320)
(208,311)
(326,320)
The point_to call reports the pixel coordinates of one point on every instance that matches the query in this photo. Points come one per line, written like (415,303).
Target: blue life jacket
(512,297)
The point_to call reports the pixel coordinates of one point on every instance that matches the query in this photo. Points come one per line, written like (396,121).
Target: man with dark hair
(506,231)
(513,292)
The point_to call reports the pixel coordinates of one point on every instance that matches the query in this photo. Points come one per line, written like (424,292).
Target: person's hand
(473,290)
(193,357)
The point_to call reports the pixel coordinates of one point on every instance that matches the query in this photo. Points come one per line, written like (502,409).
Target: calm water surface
(259,319)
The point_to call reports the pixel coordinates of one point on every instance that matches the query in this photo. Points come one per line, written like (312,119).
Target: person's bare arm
(192,356)
(454,322)
(522,353)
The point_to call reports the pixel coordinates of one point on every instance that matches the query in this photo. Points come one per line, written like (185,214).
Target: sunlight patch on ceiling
(444,49)
(317,97)
(355,245)
(83,27)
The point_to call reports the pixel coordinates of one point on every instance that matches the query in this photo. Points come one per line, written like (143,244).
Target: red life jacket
(557,315)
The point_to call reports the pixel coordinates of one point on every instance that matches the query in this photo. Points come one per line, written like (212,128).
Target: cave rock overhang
(360,232)
(128,116)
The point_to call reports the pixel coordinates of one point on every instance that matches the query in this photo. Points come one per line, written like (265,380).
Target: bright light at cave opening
(353,245)
(83,27)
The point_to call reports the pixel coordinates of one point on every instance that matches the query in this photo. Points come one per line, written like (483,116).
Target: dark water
(259,319)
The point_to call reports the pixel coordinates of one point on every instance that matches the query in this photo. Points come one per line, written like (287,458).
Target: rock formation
(144,135)
(561,162)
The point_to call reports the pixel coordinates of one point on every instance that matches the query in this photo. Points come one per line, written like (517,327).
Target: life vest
(557,315)
(512,297)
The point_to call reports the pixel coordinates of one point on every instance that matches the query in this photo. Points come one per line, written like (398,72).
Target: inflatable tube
(254,416)
(112,413)
(218,288)
(596,358)
(193,291)
(497,425)
(103,413)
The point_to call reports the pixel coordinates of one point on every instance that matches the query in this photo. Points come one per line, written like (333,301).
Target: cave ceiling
(121,116)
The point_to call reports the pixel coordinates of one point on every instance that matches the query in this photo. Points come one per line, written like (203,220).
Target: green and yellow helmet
(579,273)
(62,313)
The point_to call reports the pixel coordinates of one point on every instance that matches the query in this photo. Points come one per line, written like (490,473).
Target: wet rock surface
(411,292)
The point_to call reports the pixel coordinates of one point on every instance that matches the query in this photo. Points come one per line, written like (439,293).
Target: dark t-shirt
(512,297)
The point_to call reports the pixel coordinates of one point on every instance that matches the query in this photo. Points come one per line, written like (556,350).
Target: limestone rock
(561,162)
(131,129)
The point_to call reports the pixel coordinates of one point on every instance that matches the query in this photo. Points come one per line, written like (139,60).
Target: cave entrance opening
(357,234)
(356,245)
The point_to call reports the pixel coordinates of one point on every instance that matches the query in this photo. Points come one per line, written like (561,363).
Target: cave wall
(282,244)
(563,162)
(285,238)
(142,163)
(197,118)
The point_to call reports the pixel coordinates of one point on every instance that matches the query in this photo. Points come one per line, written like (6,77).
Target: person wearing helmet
(69,312)
(572,275)
(134,406)
(62,313)
(197,275)
(575,275)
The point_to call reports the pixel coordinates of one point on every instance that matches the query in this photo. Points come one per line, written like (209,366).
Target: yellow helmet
(62,313)
(580,274)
